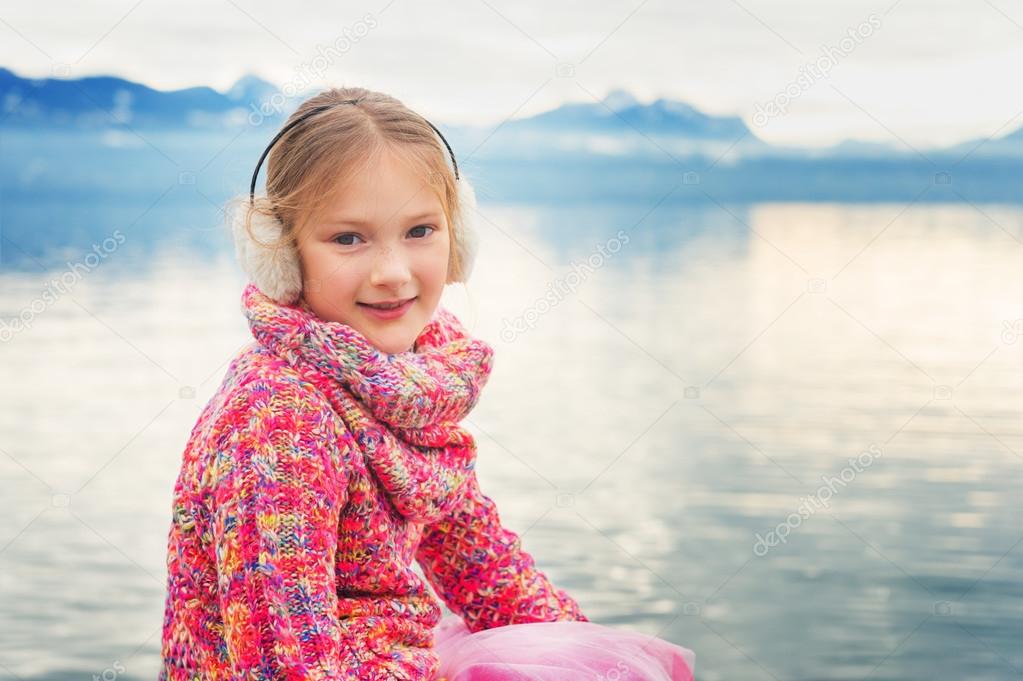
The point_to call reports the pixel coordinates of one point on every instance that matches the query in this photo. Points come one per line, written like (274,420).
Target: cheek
(441,254)
(433,265)
(324,268)
(343,274)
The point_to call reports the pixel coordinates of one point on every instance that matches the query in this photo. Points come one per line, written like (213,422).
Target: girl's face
(384,239)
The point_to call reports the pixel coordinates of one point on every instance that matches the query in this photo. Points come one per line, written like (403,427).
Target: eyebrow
(361,223)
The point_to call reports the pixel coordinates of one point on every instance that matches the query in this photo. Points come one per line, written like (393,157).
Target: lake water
(786,436)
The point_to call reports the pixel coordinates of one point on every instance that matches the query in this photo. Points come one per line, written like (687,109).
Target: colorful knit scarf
(402,409)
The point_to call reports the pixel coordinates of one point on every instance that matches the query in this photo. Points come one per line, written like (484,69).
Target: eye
(338,238)
(429,227)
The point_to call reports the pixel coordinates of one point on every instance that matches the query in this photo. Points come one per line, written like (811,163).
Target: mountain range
(619,125)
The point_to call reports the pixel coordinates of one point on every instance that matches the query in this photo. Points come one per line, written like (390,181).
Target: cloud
(480,63)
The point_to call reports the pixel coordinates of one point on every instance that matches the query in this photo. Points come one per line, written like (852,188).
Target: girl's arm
(278,491)
(481,572)
(279,486)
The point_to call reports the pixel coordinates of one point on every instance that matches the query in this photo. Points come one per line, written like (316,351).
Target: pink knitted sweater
(314,477)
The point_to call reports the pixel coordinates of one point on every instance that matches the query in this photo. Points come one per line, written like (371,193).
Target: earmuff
(276,270)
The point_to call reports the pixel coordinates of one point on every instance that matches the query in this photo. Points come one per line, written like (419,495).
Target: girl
(331,458)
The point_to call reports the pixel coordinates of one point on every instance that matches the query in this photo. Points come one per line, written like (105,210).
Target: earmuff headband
(316,110)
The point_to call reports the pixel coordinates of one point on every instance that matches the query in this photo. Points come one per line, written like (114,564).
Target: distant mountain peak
(250,87)
(1015,135)
(620,113)
(619,99)
(676,107)
(101,101)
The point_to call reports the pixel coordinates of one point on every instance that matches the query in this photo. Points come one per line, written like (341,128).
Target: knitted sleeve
(479,569)
(277,496)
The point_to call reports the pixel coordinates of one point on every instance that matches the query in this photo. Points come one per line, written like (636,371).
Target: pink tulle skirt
(561,651)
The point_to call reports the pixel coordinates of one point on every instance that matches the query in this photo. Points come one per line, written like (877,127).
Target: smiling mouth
(391,305)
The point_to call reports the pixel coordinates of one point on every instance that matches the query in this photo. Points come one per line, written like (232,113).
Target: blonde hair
(313,161)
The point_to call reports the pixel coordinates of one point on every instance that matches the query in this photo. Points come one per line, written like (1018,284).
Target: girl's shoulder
(264,424)
(262,395)
(257,371)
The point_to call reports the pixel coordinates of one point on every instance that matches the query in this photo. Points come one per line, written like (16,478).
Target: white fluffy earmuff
(276,270)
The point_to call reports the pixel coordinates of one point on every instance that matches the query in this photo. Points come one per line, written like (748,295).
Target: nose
(390,268)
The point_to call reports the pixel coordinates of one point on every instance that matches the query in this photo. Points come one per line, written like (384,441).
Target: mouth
(388,304)
(389,309)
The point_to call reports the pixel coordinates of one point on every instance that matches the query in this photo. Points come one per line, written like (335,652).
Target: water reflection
(670,405)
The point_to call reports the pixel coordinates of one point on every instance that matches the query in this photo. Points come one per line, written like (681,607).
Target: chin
(401,336)
(391,341)
(393,347)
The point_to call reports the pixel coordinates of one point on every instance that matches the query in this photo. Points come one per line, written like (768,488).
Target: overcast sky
(928,72)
